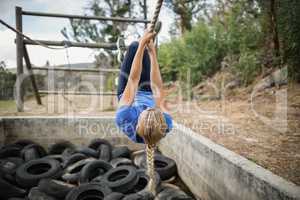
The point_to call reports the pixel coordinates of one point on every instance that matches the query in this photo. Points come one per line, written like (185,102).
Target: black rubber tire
(24,142)
(165,186)
(173,194)
(114,196)
(55,188)
(93,169)
(16,198)
(71,178)
(104,152)
(96,190)
(138,158)
(7,171)
(17,160)
(39,149)
(8,190)
(60,146)
(57,157)
(36,194)
(8,168)
(165,166)
(72,172)
(88,152)
(10,151)
(29,174)
(73,159)
(95,143)
(143,181)
(139,196)
(117,162)
(121,151)
(30,154)
(98,179)
(121,179)
(67,153)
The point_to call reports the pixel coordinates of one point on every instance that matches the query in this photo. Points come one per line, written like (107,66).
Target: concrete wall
(79,130)
(2,133)
(212,172)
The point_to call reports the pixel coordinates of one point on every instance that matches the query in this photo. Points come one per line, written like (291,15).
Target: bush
(198,51)
(7,82)
(247,67)
(238,33)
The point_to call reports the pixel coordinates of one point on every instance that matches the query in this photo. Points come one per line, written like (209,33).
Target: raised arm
(156,79)
(135,72)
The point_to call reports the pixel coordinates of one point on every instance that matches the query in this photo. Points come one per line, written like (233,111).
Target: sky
(49,29)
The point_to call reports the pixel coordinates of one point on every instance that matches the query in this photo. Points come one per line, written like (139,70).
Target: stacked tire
(99,171)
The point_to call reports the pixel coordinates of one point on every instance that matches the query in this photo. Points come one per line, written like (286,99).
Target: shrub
(202,50)
(7,82)
(247,67)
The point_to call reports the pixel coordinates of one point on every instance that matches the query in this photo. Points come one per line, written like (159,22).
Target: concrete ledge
(2,133)
(79,130)
(212,172)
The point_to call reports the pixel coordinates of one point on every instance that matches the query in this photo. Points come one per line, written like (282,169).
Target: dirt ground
(255,129)
(268,141)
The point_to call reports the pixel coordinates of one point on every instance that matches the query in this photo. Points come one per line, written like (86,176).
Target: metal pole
(19,55)
(97,70)
(111,46)
(57,92)
(119,19)
(31,75)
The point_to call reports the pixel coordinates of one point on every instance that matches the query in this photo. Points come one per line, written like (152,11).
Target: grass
(7,105)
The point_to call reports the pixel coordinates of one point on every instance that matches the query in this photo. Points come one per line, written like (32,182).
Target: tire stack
(99,171)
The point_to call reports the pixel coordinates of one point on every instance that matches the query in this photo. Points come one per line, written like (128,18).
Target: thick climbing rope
(150,148)
(156,15)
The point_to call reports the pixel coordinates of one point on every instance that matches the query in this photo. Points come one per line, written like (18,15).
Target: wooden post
(19,55)
(31,75)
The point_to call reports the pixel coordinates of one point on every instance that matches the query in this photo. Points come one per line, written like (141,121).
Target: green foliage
(186,11)
(7,82)
(289,31)
(247,68)
(202,50)
(87,30)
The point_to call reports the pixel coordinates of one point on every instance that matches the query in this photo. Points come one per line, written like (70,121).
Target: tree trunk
(273,23)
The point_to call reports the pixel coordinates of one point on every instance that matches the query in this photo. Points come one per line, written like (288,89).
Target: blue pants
(144,83)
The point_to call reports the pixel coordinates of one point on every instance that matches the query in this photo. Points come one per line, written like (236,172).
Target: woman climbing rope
(142,114)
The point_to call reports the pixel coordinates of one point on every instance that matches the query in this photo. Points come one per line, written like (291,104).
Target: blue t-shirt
(127,116)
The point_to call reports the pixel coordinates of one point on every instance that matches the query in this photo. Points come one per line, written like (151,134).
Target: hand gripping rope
(120,43)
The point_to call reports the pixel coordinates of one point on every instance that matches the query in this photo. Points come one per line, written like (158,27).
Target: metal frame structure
(21,52)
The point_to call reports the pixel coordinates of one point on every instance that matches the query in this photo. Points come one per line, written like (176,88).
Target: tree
(186,11)
(2,65)
(269,16)
(289,34)
(104,31)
